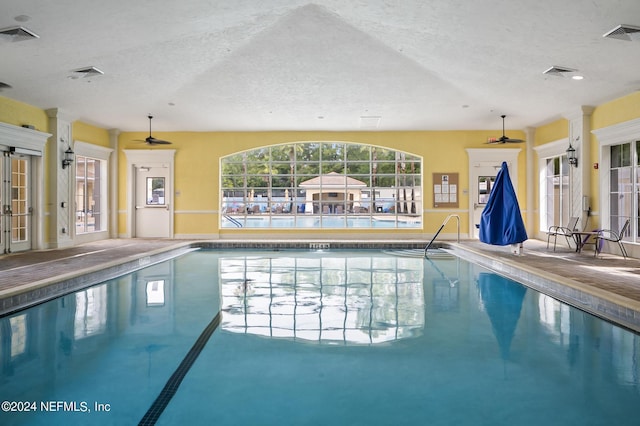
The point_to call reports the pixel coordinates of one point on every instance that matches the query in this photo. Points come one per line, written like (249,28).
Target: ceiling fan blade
(153,141)
(504,138)
(150,140)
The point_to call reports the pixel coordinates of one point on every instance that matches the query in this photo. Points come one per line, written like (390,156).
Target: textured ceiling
(207,65)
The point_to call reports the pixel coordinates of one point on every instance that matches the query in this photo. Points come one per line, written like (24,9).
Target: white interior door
(482,181)
(484,165)
(153,189)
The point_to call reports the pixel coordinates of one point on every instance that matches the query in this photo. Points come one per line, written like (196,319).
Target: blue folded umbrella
(501,221)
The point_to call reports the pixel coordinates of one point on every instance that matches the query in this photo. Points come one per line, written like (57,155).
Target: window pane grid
(19,201)
(318,184)
(88,194)
(622,202)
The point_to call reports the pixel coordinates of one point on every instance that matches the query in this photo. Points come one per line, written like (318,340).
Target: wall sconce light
(571,155)
(68,158)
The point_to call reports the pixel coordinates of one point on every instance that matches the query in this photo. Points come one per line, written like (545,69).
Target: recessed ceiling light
(577,77)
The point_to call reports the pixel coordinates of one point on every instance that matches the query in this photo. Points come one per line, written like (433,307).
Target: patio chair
(563,231)
(614,237)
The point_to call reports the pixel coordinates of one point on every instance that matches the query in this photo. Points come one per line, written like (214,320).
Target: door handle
(164,206)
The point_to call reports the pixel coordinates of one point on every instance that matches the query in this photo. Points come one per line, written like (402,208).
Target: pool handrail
(441,227)
(232,220)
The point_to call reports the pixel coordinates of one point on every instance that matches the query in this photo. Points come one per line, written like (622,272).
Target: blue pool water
(316,338)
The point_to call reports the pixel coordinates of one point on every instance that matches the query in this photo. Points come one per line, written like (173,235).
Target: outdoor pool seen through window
(321,185)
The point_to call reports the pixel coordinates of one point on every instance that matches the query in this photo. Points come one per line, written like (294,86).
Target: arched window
(321,185)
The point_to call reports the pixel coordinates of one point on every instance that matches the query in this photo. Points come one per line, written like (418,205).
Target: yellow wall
(614,112)
(91,134)
(552,132)
(19,113)
(610,113)
(197,169)
(197,160)
(549,132)
(617,111)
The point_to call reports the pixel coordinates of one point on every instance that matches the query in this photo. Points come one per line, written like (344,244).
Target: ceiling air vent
(17,34)
(624,32)
(559,71)
(86,72)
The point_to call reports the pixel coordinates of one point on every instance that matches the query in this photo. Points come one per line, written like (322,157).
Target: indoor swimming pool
(312,337)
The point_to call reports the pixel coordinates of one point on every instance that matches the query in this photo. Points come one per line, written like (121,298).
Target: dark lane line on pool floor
(171,387)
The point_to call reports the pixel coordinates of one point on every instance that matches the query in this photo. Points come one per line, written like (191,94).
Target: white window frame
(103,154)
(626,132)
(549,150)
(411,221)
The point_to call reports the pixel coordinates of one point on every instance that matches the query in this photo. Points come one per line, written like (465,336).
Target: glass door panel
(20,212)
(15,199)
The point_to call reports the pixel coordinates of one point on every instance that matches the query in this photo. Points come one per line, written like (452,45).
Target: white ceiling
(208,65)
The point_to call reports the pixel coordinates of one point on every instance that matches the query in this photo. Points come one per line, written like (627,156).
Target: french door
(16,200)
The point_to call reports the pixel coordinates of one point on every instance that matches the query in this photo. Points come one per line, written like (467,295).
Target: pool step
(433,253)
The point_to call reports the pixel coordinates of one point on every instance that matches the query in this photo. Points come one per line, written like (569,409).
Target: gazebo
(332,193)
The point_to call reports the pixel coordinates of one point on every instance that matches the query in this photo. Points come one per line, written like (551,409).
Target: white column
(531,180)
(61,182)
(580,177)
(113,184)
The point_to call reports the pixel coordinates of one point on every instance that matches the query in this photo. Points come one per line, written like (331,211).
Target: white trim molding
(143,156)
(91,150)
(101,153)
(620,133)
(481,156)
(552,149)
(548,150)
(33,140)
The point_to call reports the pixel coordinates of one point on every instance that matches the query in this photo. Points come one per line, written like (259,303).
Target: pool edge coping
(613,307)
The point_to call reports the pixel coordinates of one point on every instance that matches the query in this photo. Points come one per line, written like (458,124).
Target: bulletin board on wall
(445,190)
